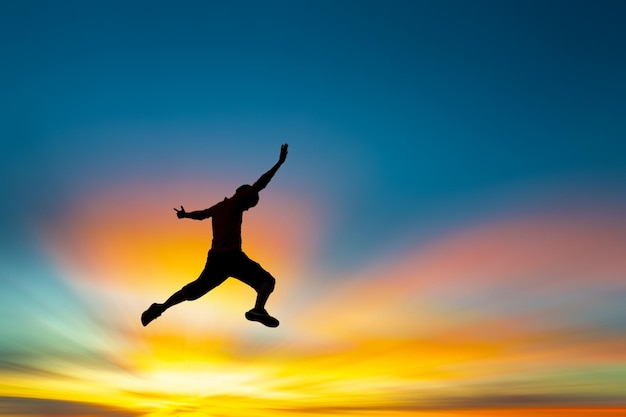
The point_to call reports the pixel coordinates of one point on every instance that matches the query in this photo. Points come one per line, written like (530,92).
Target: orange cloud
(523,289)
(457,318)
(559,252)
(130,237)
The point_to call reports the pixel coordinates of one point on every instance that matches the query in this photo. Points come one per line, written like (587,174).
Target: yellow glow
(370,344)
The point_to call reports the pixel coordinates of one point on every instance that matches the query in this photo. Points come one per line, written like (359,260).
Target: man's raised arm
(265,179)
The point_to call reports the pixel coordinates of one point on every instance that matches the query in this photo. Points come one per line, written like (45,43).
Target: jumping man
(226,259)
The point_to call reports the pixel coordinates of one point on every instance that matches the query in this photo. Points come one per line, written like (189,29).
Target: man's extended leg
(156,309)
(209,279)
(189,292)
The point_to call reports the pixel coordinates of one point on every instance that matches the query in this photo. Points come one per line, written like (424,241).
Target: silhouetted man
(225,258)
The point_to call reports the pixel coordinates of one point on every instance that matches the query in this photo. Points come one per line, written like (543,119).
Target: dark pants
(221,265)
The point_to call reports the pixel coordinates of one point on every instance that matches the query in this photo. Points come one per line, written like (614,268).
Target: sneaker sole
(266,320)
(147,316)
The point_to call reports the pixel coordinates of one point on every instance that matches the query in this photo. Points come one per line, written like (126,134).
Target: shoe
(261,316)
(150,314)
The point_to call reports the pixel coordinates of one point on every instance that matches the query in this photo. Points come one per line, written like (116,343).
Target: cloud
(508,265)
(129,236)
(450,323)
(21,406)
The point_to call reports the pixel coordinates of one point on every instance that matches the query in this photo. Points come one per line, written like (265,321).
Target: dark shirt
(227,217)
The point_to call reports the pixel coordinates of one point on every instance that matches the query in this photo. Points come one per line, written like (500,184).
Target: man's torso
(227,218)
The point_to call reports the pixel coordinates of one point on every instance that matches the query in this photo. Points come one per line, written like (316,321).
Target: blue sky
(408,122)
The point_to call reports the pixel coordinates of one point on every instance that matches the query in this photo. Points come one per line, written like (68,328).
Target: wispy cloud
(500,314)
(23,406)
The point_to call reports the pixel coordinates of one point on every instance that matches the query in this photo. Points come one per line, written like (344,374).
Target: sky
(448,233)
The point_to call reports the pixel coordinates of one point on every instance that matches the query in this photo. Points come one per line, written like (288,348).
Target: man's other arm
(265,179)
(196,215)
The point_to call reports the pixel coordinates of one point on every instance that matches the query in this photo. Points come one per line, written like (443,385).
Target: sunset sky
(448,233)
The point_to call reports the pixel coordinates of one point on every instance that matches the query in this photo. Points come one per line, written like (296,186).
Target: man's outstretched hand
(180,213)
(283,153)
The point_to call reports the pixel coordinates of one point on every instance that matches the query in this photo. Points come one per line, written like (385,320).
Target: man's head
(249,197)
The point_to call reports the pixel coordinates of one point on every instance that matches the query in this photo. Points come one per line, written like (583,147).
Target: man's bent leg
(258,313)
(263,292)
(262,282)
